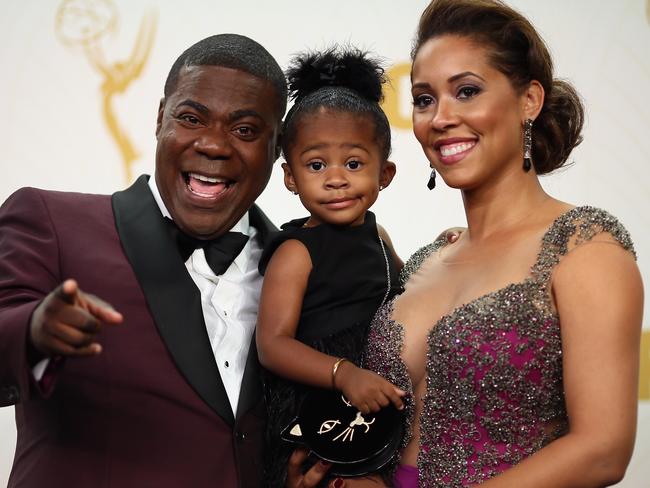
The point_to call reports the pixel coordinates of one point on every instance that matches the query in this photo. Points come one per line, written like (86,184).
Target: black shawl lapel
(172,296)
(251,385)
(261,222)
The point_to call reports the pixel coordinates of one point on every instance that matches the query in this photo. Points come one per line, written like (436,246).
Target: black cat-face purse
(334,430)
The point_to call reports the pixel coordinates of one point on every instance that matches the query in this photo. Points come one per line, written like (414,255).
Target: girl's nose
(336,178)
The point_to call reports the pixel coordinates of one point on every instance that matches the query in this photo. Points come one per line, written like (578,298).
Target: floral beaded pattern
(385,340)
(494,392)
(382,355)
(413,263)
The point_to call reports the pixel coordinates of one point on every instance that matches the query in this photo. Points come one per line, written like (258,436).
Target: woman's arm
(599,298)
(285,282)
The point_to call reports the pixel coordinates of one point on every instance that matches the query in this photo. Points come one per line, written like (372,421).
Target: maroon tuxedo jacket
(150,410)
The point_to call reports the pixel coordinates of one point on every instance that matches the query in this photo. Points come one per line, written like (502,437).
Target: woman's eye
(354,164)
(423,100)
(316,165)
(466,92)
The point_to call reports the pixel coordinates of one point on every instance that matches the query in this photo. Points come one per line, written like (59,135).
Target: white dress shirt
(229,301)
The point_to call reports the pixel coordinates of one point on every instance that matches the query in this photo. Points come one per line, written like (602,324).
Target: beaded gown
(347,283)
(494,391)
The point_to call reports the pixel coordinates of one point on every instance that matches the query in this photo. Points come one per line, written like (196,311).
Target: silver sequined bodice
(494,392)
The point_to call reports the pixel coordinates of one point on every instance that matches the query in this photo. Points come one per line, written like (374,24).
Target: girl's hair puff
(340,79)
(516,49)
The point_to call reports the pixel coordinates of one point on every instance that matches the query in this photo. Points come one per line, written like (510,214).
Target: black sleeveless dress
(347,283)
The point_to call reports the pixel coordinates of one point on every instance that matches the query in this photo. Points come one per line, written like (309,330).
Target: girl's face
(466,114)
(335,165)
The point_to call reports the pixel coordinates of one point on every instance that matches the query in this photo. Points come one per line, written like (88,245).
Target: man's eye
(316,165)
(190,119)
(354,164)
(244,131)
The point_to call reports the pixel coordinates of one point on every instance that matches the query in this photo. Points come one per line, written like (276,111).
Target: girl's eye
(423,100)
(466,92)
(354,164)
(316,165)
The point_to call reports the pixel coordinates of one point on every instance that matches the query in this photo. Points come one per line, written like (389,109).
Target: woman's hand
(311,478)
(366,390)
(315,474)
(365,482)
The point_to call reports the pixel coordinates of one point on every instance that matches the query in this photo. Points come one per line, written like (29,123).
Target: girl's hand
(366,390)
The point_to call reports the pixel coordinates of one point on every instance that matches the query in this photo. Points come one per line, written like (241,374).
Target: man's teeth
(207,179)
(456,148)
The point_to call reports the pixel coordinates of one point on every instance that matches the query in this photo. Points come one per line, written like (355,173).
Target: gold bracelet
(335,368)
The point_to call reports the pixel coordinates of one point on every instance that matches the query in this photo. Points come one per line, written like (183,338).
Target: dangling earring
(431,184)
(528,144)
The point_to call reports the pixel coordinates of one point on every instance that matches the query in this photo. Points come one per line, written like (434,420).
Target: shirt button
(226,364)
(9,395)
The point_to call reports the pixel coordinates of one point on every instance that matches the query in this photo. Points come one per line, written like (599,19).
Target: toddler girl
(326,274)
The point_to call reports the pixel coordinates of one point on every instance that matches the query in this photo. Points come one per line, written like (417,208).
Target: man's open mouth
(206,186)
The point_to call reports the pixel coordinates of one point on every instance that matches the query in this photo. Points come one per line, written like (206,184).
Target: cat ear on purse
(335,431)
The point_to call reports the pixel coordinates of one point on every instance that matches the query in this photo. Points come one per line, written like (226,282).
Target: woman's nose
(445,115)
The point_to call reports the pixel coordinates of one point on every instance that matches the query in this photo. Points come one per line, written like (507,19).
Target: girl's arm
(599,297)
(285,282)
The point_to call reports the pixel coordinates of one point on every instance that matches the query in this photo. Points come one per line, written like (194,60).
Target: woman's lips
(450,152)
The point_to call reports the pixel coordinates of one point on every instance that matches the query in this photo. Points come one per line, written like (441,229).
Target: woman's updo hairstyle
(340,79)
(516,50)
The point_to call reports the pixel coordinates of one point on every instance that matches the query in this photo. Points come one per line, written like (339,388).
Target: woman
(520,340)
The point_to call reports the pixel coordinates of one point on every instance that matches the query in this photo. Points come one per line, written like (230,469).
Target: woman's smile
(452,150)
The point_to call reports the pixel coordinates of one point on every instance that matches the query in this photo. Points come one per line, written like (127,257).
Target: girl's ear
(289,182)
(387,172)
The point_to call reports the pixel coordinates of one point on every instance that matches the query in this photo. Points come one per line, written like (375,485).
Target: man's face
(217,135)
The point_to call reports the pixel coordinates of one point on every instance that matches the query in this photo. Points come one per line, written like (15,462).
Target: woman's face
(466,114)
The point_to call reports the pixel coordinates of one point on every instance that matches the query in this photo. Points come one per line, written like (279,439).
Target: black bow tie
(219,252)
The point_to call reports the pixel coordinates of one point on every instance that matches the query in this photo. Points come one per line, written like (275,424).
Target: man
(163,389)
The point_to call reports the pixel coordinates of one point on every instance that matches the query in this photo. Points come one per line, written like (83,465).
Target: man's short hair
(236,52)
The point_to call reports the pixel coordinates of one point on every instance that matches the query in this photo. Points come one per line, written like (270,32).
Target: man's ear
(387,173)
(159,119)
(289,181)
(278,145)
(533,100)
